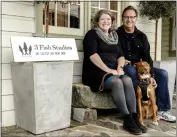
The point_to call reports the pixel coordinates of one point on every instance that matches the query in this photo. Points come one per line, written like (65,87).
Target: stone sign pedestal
(42,95)
(170,67)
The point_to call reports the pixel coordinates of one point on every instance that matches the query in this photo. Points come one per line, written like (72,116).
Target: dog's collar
(146,81)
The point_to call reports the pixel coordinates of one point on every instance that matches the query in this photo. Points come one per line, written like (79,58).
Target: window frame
(85,21)
(119,5)
(40,27)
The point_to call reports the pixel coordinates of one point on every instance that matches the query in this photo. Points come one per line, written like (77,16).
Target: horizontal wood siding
(17,20)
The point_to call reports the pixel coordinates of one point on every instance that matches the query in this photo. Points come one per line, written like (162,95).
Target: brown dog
(145,93)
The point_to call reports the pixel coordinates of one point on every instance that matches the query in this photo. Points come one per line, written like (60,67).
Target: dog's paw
(155,123)
(158,118)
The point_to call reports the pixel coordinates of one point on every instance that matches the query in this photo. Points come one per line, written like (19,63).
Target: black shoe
(130,125)
(142,127)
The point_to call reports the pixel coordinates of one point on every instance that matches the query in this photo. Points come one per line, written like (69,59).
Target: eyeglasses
(129,17)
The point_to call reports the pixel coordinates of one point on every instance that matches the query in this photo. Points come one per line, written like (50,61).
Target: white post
(170,67)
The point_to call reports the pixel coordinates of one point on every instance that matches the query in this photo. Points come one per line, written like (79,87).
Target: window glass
(66,15)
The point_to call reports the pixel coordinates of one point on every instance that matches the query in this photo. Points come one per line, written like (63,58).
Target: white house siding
(17,20)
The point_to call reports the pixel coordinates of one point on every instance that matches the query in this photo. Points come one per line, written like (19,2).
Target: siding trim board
(58,36)
(1,65)
(17,16)
(167,52)
(17,24)
(8,118)
(172,53)
(6,37)
(17,8)
(7,102)
(27,3)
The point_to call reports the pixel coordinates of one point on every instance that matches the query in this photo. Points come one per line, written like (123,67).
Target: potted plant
(155,10)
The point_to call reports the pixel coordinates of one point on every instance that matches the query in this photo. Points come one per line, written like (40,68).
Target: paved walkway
(105,126)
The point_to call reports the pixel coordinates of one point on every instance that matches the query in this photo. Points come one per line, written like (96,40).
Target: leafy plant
(155,10)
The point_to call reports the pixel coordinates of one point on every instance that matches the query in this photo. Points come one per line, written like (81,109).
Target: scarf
(112,37)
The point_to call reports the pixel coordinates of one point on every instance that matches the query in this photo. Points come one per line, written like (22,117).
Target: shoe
(130,125)
(142,127)
(166,115)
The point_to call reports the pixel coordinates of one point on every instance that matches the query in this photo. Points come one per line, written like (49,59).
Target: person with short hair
(103,67)
(136,47)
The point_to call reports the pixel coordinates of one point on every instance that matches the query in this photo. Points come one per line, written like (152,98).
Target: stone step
(83,97)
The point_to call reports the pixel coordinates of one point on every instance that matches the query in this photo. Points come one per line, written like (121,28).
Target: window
(112,6)
(66,16)
(63,18)
(73,18)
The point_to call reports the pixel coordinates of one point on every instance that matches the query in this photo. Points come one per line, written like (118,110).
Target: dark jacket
(135,47)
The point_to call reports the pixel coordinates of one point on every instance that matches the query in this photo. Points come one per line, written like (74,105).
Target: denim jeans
(162,92)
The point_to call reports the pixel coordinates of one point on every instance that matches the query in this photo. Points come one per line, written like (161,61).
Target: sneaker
(166,115)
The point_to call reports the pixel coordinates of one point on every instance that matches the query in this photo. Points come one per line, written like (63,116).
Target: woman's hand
(153,82)
(127,62)
(113,71)
(120,71)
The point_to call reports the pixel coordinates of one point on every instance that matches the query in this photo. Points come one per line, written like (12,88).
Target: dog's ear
(149,68)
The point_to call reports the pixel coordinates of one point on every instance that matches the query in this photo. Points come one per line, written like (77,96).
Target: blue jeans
(162,92)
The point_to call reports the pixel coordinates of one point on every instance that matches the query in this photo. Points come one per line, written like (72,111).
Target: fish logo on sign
(25,50)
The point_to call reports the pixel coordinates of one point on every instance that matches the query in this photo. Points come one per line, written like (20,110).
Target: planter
(42,95)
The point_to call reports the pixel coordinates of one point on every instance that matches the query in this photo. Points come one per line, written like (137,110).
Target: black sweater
(92,43)
(135,46)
